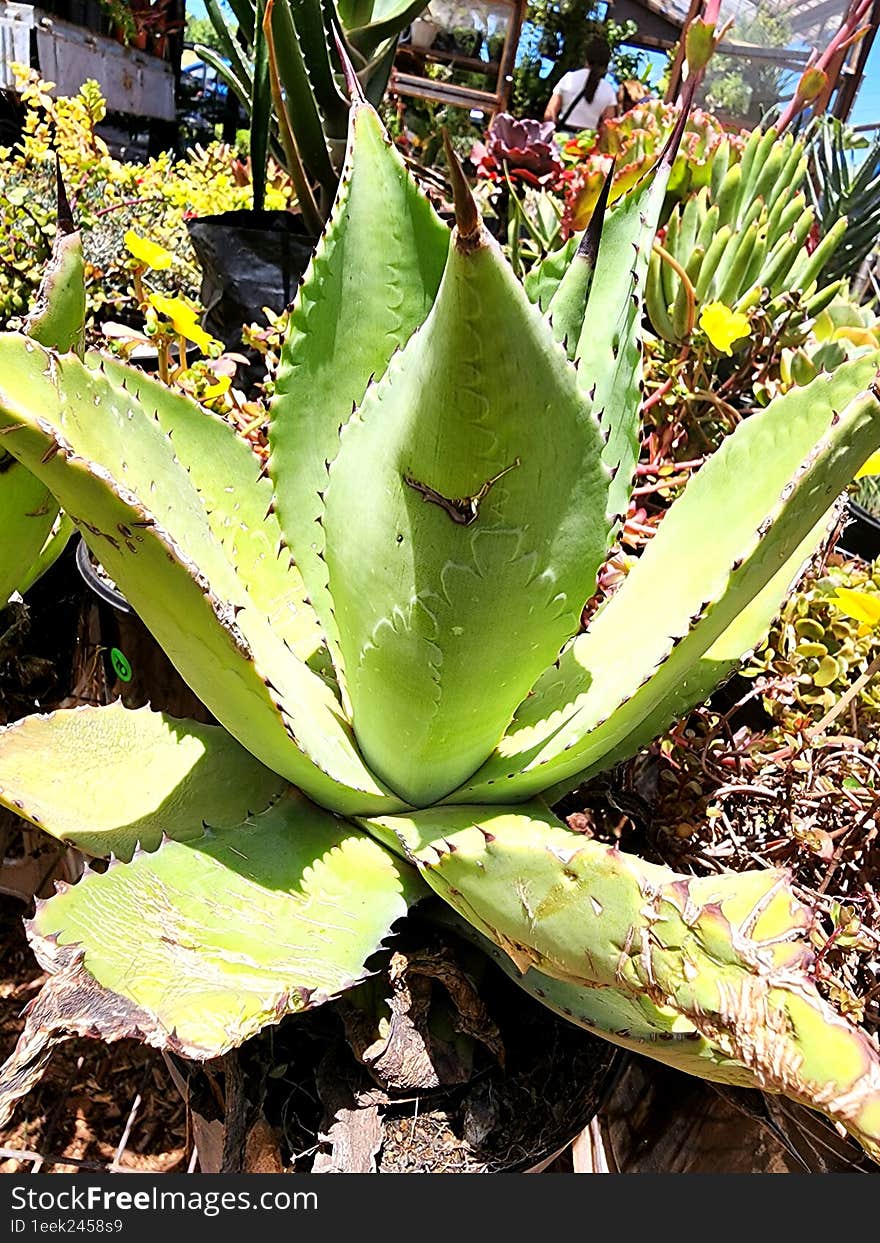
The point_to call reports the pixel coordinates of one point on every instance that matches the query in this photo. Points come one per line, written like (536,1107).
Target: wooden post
(508,60)
(849,87)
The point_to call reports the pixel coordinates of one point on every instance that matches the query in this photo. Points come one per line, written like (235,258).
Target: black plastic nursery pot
(135,667)
(249,260)
(861,535)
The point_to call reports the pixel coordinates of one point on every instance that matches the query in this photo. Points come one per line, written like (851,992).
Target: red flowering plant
(633,141)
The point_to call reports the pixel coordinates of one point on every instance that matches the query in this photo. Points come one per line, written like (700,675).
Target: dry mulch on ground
(101,1106)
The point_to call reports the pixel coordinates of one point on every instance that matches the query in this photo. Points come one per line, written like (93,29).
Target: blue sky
(867,105)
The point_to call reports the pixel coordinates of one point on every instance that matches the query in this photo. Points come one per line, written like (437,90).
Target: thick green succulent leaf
(110,780)
(375,74)
(27,513)
(312,20)
(386,20)
(568,304)
(128,476)
(260,110)
(240,86)
(632,1021)
(209,940)
(232,67)
(58,316)
(302,106)
(465,522)
(542,281)
(54,545)
(370,284)
(716,551)
(237,500)
(699,679)
(732,955)
(609,349)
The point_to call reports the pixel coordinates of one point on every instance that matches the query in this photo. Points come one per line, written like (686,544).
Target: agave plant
(281,61)
(388,632)
(742,241)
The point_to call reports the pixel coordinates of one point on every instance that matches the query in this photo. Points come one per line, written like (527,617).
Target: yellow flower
(723,326)
(151,254)
(861,606)
(871,467)
(217,389)
(183,319)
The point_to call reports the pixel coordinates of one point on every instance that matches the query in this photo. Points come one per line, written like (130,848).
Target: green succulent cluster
(742,241)
(843,330)
(814,650)
(387,631)
(639,135)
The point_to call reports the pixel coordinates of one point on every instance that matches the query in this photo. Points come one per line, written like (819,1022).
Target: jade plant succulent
(387,631)
(742,241)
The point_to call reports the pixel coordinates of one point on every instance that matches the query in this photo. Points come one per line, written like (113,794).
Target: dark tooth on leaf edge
(66,222)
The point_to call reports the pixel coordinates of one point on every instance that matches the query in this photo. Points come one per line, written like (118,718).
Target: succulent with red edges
(524,150)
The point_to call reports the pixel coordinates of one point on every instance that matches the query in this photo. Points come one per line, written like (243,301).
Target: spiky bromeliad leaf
(120,779)
(370,284)
(717,549)
(732,956)
(201,944)
(450,567)
(138,472)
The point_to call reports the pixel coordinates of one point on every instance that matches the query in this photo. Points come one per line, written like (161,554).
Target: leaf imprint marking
(463,510)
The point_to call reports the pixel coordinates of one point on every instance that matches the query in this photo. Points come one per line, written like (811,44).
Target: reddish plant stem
(649,468)
(848,33)
(104,211)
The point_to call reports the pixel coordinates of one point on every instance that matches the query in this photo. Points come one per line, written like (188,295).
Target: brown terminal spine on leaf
(352,82)
(467,216)
(66,223)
